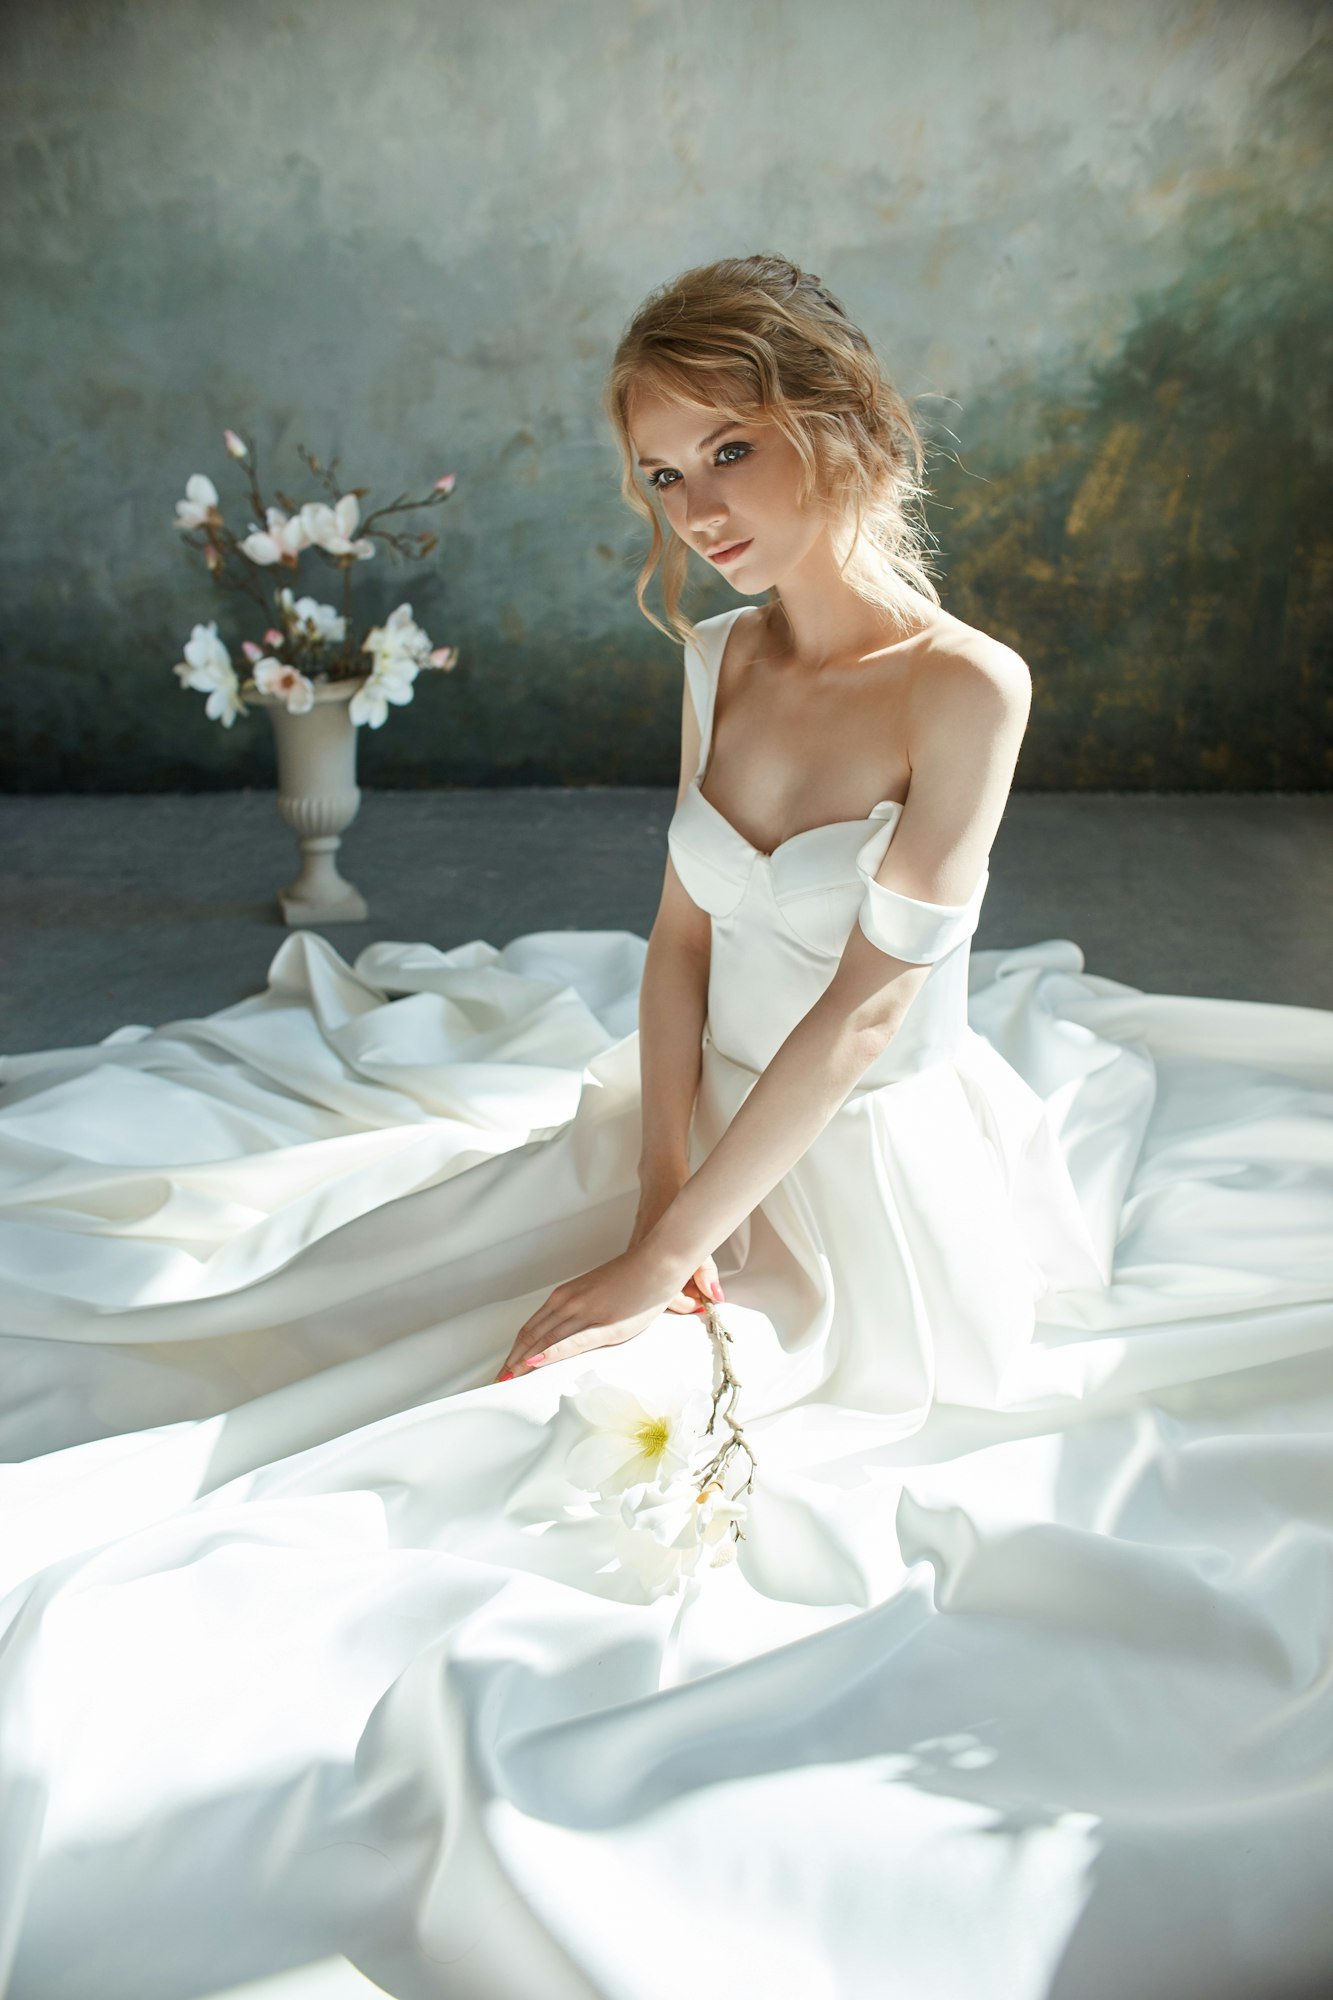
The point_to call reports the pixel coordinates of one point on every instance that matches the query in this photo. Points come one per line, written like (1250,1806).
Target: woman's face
(721,483)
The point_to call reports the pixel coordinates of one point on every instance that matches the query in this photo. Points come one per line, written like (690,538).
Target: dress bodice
(780,921)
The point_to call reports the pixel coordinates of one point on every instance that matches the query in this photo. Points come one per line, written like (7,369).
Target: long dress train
(1018,1683)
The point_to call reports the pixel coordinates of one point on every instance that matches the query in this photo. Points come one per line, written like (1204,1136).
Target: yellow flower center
(652,1437)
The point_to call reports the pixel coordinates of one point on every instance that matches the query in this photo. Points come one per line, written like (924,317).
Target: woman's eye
(735,444)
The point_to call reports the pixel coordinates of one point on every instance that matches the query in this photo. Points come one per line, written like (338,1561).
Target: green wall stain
(1163,556)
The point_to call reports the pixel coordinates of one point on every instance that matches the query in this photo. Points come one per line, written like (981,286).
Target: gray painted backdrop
(1091,241)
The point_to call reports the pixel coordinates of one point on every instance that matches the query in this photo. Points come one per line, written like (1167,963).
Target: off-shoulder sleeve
(917,932)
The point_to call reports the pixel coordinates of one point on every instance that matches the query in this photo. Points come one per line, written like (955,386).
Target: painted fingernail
(717,1290)
(536,1360)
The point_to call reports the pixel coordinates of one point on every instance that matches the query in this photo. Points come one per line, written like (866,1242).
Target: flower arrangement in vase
(309,672)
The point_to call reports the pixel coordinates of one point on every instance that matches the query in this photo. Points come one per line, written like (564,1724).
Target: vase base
(349,909)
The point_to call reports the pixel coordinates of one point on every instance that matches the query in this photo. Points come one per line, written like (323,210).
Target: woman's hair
(758,338)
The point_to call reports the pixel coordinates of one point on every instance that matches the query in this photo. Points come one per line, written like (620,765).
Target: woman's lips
(730,555)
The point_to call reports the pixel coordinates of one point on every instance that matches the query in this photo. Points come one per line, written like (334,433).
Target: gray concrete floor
(158,908)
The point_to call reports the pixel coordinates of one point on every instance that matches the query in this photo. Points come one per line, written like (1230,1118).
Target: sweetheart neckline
(696,782)
(827,827)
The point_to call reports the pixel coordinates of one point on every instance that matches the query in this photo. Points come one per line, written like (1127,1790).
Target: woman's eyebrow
(702,445)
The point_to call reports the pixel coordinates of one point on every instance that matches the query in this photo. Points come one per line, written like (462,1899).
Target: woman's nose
(706,520)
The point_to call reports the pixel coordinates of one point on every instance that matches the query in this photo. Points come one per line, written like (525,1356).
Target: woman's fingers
(706,1278)
(551,1319)
(703,1285)
(687,1300)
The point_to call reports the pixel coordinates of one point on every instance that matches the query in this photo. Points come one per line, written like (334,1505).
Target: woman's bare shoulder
(959,661)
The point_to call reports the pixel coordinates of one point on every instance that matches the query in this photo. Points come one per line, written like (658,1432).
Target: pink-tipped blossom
(235,445)
(293,688)
(200,504)
(446,484)
(333,528)
(282,542)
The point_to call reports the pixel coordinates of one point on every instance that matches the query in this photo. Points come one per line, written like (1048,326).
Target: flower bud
(251,651)
(236,446)
(273,637)
(446,484)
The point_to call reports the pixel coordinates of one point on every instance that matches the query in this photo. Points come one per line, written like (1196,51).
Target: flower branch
(727,1385)
(304,642)
(633,1465)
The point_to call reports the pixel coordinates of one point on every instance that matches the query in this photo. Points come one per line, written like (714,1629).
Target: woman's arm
(673,1004)
(965,729)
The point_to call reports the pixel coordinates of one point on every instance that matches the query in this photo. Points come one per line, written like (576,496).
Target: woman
(319,1643)
(847,749)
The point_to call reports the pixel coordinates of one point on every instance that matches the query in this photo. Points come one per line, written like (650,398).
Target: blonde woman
(847,749)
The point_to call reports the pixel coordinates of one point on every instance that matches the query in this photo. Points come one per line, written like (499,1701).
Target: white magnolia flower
(282,542)
(333,528)
(632,1467)
(399,649)
(662,1532)
(296,691)
(654,1540)
(319,621)
(390,682)
(628,1444)
(201,499)
(398,635)
(207,668)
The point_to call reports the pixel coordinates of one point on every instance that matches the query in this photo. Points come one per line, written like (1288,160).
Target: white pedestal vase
(318,798)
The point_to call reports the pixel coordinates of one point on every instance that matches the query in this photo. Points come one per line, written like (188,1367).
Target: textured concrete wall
(1091,239)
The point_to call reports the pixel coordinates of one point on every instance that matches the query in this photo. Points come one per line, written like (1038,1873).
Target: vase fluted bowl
(318,798)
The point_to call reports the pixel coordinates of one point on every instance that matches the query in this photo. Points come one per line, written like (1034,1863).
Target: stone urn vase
(318,798)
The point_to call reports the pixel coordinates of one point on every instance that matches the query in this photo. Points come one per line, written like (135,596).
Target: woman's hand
(600,1308)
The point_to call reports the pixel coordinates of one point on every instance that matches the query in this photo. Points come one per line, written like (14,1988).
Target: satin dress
(313,1682)
(935,1209)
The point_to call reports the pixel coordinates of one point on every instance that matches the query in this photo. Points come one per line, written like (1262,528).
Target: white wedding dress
(1019,1683)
